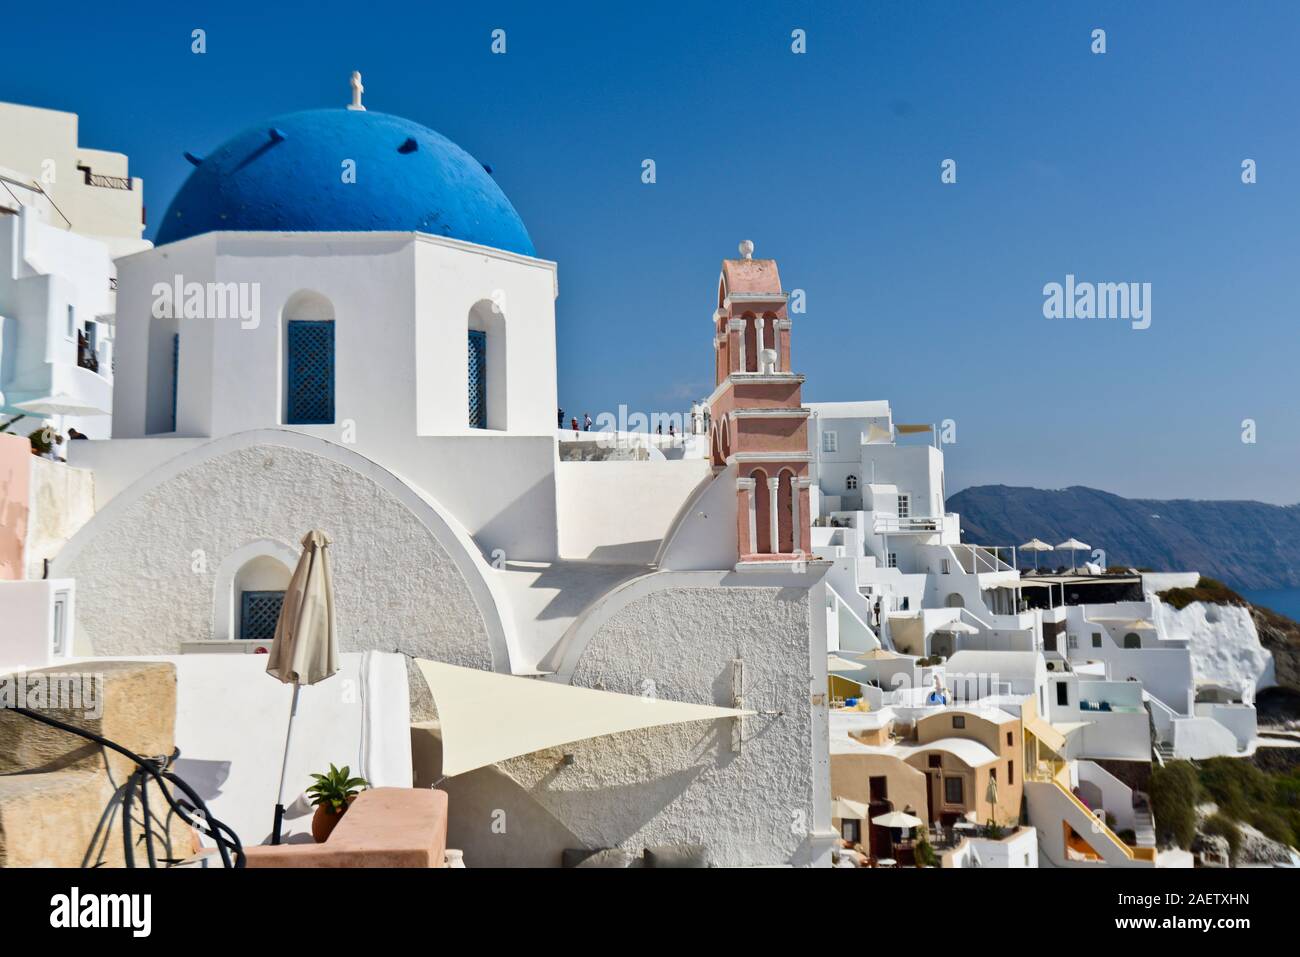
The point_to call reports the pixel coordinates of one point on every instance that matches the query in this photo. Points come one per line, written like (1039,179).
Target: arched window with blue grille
(311,372)
(308,344)
(478,402)
(486,399)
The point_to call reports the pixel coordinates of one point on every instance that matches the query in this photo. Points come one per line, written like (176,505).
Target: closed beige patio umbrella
(305,649)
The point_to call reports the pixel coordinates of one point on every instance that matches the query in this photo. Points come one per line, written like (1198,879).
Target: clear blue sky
(1120,167)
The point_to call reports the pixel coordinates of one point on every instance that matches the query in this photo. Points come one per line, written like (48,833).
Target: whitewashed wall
(147,567)
(621,511)
(231,719)
(677,636)
(401,303)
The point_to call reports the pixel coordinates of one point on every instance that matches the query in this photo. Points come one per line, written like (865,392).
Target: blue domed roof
(287,175)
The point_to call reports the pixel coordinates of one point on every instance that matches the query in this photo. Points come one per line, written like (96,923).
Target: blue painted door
(477,380)
(310,373)
(258,613)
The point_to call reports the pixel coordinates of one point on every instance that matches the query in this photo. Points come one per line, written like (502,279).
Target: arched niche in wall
(486,352)
(751,342)
(787,502)
(162,374)
(762,513)
(245,580)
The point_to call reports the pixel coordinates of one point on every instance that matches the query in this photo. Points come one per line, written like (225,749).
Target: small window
(1009,739)
(72,321)
(878,788)
(258,614)
(851,483)
(830,441)
(904,506)
(953,792)
(1072,642)
(1062,693)
(893,560)
(60,641)
(1096,639)
(959,721)
(935,761)
(944,567)
(1011,772)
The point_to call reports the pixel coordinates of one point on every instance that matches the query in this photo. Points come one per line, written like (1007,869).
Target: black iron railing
(190,809)
(106,182)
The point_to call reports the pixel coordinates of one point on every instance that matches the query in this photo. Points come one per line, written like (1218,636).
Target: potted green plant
(44,440)
(331,795)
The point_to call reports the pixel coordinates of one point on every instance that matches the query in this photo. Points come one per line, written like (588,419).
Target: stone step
(74,819)
(61,795)
(132,703)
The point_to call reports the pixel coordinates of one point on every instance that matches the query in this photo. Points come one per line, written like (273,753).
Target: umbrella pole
(284,767)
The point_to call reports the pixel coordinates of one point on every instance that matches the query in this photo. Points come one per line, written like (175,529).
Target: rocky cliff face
(1245,544)
(1281,637)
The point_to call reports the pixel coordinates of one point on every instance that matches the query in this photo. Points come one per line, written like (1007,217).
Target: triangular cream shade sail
(488,717)
(878,433)
(836,663)
(844,809)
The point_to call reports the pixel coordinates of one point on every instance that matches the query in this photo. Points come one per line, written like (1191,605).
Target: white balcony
(911,524)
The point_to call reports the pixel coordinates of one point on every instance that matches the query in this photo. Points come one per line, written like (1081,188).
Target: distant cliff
(1248,545)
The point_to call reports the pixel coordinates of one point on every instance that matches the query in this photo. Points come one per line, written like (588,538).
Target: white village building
(65,212)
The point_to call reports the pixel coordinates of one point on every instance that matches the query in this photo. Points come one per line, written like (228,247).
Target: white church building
(344,325)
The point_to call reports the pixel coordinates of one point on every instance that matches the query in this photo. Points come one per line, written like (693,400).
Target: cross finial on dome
(357,90)
(747,249)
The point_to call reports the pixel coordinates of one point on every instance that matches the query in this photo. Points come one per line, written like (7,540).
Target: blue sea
(1284,601)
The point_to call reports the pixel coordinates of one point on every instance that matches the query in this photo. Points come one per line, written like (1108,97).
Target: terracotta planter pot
(325,820)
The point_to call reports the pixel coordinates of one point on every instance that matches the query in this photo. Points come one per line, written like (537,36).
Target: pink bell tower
(759,424)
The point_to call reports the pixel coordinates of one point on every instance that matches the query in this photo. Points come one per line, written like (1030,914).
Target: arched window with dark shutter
(478,402)
(309,359)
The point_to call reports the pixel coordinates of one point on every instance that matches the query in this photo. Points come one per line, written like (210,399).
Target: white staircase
(1144,827)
